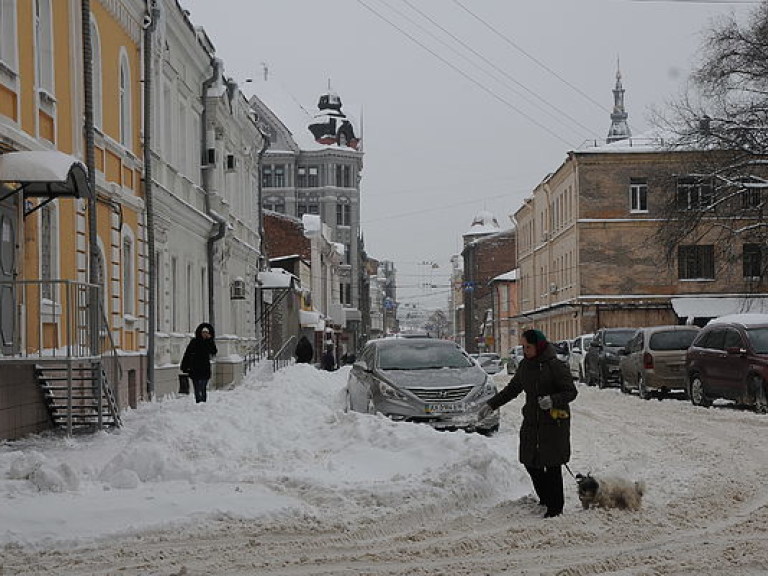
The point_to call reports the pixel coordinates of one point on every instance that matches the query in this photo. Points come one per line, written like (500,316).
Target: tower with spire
(619,129)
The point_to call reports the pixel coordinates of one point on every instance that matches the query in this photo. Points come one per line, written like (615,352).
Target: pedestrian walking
(197,360)
(545,438)
(328,361)
(304,351)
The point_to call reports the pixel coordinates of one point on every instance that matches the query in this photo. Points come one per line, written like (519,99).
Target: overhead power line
(464,74)
(531,57)
(549,107)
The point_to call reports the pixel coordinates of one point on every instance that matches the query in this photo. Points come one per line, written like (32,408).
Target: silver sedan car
(421,380)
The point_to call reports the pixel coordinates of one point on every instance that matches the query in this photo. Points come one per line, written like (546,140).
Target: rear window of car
(618,338)
(759,339)
(419,357)
(672,340)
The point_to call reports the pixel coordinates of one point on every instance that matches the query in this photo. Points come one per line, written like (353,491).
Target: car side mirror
(361,365)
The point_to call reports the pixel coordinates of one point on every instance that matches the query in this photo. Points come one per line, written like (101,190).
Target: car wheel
(488,431)
(698,397)
(623,384)
(642,389)
(761,403)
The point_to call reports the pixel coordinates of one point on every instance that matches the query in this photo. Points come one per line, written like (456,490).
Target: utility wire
(531,57)
(487,61)
(464,74)
(433,208)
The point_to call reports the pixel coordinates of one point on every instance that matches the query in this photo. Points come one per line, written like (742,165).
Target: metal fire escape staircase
(78,397)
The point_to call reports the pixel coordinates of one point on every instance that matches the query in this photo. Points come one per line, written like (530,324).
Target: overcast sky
(466,104)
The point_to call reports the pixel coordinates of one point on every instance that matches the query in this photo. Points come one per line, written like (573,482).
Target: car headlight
(488,388)
(391,392)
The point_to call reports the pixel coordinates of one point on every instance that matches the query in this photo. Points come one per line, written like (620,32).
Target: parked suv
(601,364)
(729,359)
(654,359)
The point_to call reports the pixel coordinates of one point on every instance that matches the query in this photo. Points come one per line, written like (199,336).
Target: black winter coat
(544,440)
(197,357)
(304,351)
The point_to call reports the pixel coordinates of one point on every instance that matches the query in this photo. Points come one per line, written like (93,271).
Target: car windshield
(619,338)
(672,340)
(422,356)
(759,339)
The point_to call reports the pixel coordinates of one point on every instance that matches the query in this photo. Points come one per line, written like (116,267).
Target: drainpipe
(207,167)
(150,21)
(262,253)
(90,162)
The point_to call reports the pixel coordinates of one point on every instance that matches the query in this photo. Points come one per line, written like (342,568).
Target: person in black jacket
(328,361)
(545,438)
(197,360)
(304,351)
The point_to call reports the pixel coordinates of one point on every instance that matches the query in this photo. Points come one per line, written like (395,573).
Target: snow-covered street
(274,477)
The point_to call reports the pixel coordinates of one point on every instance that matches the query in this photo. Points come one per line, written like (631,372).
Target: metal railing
(284,356)
(52,319)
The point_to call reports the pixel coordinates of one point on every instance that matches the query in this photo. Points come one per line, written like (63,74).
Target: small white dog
(609,492)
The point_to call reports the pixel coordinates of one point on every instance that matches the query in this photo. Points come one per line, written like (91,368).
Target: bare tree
(719,191)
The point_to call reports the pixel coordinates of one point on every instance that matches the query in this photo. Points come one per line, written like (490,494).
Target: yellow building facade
(44,267)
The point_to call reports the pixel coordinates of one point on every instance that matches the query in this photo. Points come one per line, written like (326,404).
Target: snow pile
(282,446)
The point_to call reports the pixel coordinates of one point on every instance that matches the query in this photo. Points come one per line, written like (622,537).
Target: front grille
(441,394)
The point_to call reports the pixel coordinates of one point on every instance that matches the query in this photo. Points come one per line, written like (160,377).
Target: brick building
(488,252)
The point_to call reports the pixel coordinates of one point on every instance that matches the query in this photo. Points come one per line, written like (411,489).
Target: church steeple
(619,129)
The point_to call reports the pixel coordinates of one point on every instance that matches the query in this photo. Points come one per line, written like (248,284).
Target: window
(343,176)
(345,295)
(752,259)
(44,44)
(751,198)
(128,275)
(694,193)
(313,177)
(125,102)
(343,212)
(308,204)
(301,177)
(8,35)
(638,195)
(696,262)
(96,68)
(273,176)
(47,249)
(275,204)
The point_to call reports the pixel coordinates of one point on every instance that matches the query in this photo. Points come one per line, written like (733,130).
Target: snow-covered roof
(713,306)
(277,278)
(652,141)
(510,276)
(484,222)
(295,115)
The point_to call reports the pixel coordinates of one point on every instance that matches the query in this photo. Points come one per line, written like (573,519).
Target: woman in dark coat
(304,351)
(197,360)
(545,437)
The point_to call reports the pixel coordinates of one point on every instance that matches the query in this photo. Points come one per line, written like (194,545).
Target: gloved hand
(484,411)
(545,402)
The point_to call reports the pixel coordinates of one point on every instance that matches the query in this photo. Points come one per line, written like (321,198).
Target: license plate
(445,408)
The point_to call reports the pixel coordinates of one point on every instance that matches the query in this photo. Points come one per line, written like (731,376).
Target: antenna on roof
(265,68)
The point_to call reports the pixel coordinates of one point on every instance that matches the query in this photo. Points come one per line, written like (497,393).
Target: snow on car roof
(745,319)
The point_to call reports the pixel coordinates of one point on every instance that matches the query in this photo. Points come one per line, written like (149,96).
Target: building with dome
(489,251)
(313,165)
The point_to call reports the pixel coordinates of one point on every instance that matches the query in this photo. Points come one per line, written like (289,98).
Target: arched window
(96,65)
(125,101)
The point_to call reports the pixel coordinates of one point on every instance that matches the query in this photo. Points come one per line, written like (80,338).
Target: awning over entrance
(712,306)
(44,174)
(275,279)
(312,319)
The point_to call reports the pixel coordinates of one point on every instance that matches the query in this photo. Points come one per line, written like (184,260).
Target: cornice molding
(125,17)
